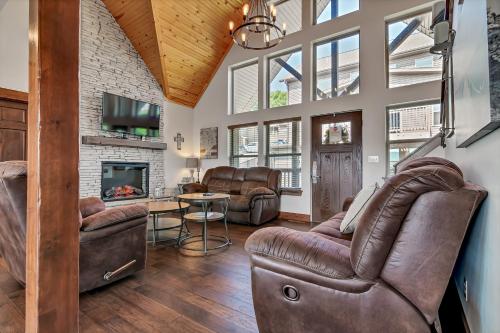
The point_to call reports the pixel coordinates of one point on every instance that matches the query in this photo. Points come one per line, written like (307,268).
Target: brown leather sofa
(110,239)
(392,275)
(255,192)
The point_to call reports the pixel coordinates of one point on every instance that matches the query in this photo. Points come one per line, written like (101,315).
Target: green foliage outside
(278,98)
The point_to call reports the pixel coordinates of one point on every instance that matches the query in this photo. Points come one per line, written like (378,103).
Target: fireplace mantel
(117,142)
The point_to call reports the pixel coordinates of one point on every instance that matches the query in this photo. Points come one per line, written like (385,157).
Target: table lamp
(193,163)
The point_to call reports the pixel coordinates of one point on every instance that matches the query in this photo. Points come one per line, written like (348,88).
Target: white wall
(374,97)
(179,119)
(14,44)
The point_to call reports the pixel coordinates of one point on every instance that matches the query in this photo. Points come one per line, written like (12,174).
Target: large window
(290,13)
(283,150)
(408,128)
(244,145)
(326,10)
(408,44)
(245,88)
(284,79)
(336,67)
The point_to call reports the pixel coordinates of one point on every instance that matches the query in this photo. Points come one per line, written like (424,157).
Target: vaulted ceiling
(183,42)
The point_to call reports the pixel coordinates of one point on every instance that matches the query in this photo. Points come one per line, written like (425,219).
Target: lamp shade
(192,163)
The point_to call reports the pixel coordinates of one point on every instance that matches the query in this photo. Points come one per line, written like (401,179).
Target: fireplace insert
(124,181)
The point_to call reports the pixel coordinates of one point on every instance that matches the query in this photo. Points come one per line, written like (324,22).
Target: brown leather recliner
(110,239)
(390,278)
(255,192)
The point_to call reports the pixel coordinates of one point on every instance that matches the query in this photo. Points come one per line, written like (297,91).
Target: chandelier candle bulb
(284,28)
(231,27)
(245,11)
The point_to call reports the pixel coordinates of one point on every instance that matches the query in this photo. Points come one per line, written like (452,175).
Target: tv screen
(125,115)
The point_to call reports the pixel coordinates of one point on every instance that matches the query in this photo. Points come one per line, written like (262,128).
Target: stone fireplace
(124,181)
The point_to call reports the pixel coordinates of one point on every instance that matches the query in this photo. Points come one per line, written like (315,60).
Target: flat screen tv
(125,115)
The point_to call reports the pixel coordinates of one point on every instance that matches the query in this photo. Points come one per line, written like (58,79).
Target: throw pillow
(357,208)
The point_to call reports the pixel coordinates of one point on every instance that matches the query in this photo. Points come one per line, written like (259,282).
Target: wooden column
(53,156)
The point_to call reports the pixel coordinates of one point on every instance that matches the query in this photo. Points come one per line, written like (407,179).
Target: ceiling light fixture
(258,30)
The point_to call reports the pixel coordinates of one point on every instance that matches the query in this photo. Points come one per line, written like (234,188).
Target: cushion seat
(239,203)
(331,230)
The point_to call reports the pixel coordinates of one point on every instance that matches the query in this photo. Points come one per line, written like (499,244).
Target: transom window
(408,128)
(284,81)
(408,44)
(245,88)
(244,145)
(336,67)
(284,149)
(326,10)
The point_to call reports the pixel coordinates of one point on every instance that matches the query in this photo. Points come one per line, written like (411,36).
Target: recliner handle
(109,275)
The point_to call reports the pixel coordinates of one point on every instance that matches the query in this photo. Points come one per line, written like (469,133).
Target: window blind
(243,145)
(284,150)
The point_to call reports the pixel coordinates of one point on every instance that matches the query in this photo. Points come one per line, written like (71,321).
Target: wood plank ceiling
(183,42)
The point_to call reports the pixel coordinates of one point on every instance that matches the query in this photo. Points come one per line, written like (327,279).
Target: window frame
(268,59)
(267,155)
(234,68)
(315,62)
(231,138)
(387,132)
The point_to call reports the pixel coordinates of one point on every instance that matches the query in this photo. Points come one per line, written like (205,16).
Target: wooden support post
(53,156)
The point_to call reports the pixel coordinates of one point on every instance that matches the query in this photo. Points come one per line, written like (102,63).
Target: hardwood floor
(176,293)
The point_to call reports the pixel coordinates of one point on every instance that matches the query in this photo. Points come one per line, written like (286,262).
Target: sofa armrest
(304,250)
(90,206)
(114,216)
(194,188)
(260,191)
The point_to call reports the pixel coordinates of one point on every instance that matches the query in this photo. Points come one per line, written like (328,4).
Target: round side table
(157,208)
(206,201)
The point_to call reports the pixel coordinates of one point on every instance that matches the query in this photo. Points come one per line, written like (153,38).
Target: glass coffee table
(157,208)
(205,243)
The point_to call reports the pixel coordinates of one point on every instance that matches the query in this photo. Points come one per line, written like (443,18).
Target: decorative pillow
(357,208)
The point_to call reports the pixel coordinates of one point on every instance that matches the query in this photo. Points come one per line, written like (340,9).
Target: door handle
(315,179)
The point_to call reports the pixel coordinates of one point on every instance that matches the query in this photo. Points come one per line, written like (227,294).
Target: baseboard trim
(296,217)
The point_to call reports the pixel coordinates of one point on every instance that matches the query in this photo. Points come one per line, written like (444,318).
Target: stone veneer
(109,63)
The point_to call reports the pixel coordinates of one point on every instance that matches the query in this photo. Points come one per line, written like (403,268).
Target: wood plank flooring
(175,293)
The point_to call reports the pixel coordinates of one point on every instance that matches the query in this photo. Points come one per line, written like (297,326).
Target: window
(244,145)
(408,44)
(426,62)
(326,10)
(245,88)
(408,128)
(336,67)
(284,79)
(436,115)
(284,149)
(290,13)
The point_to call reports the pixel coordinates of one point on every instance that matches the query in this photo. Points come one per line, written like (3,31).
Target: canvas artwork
(209,146)
(477,69)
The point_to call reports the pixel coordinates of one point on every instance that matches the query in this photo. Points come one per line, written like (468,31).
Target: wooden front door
(13,118)
(336,162)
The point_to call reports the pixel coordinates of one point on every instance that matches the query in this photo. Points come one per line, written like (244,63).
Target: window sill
(295,192)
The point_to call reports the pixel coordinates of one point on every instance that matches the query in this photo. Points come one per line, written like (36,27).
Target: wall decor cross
(179,139)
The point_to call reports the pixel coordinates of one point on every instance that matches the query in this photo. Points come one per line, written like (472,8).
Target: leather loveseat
(255,192)
(392,275)
(111,240)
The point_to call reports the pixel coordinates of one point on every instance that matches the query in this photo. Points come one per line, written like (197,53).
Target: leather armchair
(255,192)
(390,277)
(112,241)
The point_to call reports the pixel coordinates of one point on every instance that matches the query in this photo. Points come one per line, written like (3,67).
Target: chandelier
(258,30)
